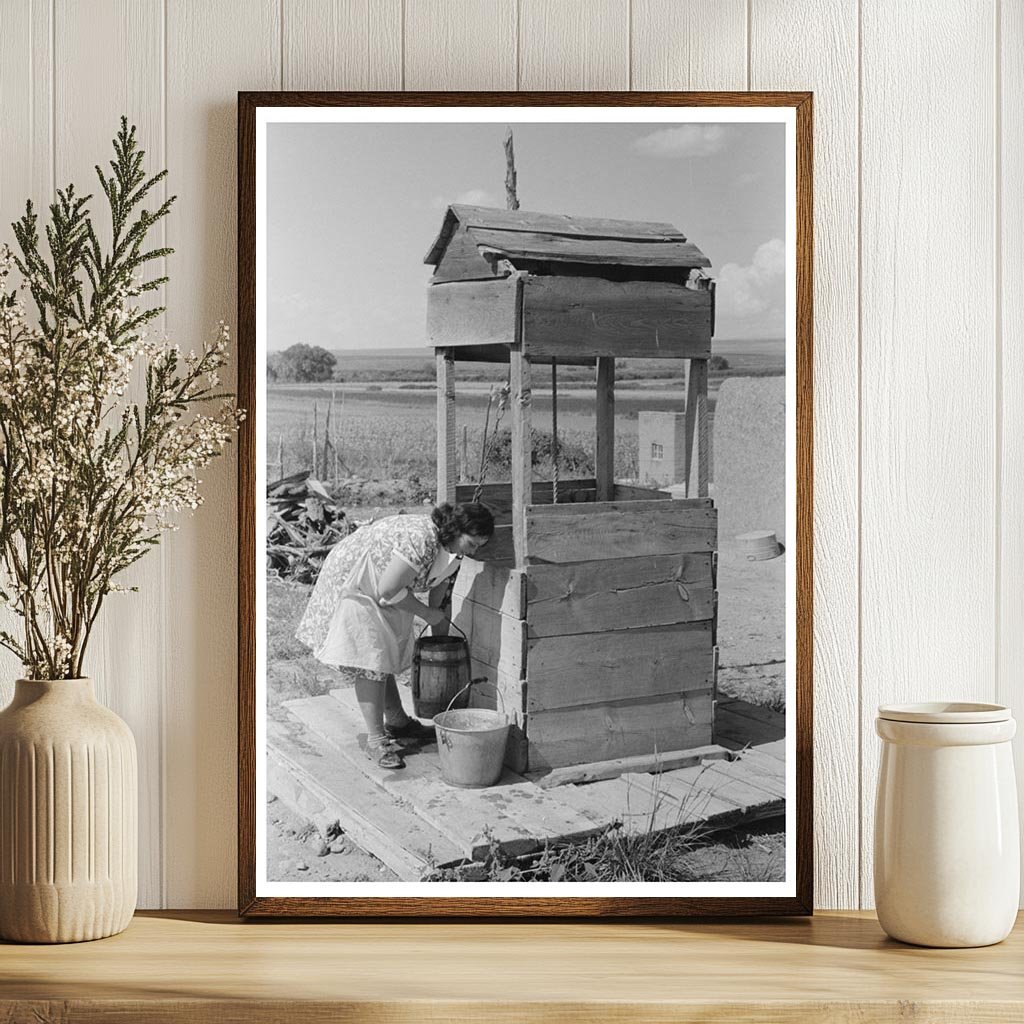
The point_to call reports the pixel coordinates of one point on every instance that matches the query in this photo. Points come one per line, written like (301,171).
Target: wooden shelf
(204,967)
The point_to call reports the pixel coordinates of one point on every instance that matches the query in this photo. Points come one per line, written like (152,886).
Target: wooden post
(313,470)
(697,469)
(327,437)
(464,461)
(280,457)
(445,425)
(605,441)
(522,445)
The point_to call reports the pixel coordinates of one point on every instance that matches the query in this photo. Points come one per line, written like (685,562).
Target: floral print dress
(344,623)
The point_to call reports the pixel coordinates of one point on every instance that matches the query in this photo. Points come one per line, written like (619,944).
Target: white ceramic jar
(947,846)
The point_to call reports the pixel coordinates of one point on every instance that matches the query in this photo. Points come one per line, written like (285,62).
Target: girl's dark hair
(472,518)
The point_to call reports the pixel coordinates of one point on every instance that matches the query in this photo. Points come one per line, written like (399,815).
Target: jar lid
(945,713)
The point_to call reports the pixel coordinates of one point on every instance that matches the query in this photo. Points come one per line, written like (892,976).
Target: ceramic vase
(68,815)
(947,846)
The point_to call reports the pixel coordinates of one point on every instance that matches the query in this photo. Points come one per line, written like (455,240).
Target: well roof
(521,234)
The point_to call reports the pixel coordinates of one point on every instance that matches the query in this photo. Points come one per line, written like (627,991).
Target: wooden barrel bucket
(440,669)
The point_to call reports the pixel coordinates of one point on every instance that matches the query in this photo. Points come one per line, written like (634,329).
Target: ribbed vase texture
(68,815)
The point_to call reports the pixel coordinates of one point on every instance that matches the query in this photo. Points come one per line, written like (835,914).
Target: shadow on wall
(750,456)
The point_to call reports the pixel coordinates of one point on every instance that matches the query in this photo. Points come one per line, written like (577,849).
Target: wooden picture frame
(257,897)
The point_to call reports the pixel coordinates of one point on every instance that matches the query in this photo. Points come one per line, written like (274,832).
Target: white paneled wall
(919,324)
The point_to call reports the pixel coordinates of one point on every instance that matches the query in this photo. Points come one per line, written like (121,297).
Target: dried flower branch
(89,478)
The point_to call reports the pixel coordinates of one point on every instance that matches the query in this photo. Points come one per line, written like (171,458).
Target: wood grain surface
(1010,361)
(832,72)
(936,424)
(208,967)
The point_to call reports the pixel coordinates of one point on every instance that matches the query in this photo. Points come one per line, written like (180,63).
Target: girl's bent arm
(394,592)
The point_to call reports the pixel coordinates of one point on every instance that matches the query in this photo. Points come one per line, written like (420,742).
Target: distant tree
(304,364)
(718,363)
(274,366)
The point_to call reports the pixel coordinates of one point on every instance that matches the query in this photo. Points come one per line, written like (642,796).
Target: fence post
(314,440)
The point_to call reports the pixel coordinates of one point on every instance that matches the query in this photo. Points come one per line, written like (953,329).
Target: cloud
(686,140)
(754,295)
(471,197)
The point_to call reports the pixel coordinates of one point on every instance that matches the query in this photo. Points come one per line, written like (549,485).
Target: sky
(352,209)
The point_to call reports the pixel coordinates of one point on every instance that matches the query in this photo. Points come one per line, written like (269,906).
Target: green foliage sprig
(89,477)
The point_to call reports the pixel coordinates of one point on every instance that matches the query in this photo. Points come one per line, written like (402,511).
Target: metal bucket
(471,745)
(440,674)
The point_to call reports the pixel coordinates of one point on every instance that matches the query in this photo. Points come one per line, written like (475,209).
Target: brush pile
(303,524)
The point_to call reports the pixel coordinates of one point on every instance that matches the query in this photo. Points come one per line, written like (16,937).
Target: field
(379,420)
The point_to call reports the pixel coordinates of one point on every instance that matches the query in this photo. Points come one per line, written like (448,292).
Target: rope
(554,431)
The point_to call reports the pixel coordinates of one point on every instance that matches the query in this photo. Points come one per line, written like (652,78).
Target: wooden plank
(472,313)
(617,593)
(499,353)
(1010,636)
(690,786)
(500,549)
(573,44)
(459,814)
(534,245)
(775,749)
(562,224)
(570,536)
(634,807)
(522,461)
(498,496)
(755,713)
(342,44)
(762,764)
(469,45)
(699,45)
(500,587)
(698,468)
(127,80)
(325,789)
(604,457)
(630,507)
(935,431)
(541,813)
(494,638)
(744,725)
(628,492)
(26,126)
(603,732)
(211,967)
(593,316)
(211,51)
(447,468)
(836,75)
(596,771)
(688,802)
(746,772)
(462,261)
(589,668)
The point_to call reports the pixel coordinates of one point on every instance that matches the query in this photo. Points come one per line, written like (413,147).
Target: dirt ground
(751,638)
(297,852)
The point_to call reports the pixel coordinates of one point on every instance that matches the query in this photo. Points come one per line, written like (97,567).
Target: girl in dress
(360,614)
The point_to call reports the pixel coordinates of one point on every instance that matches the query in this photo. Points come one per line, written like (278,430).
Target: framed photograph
(525,504)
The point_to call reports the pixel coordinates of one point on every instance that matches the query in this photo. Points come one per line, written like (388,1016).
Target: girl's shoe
(420,732)
(385,755)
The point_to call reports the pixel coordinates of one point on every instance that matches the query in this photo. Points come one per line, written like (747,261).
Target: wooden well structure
(593,609)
